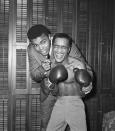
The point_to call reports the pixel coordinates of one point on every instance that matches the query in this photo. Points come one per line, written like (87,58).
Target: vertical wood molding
(11,41)
(60,4)
(29,13)
(90,32)
(46,12)
(74,21)
(113,49)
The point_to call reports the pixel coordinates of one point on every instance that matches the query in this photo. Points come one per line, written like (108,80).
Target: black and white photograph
(57,65)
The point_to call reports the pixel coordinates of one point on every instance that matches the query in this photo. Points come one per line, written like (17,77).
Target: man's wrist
(45,74)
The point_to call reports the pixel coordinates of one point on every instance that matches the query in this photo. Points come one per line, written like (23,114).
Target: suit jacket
(37,71)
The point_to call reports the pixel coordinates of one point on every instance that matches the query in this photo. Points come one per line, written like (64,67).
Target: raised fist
(46,65)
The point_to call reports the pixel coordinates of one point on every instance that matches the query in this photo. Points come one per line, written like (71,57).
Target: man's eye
(44,41)
(64,47)
(55,46)
(36,45)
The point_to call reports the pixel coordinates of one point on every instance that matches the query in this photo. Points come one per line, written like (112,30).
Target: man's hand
(87,89)
(46,65)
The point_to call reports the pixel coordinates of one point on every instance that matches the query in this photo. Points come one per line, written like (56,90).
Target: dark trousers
(46,109)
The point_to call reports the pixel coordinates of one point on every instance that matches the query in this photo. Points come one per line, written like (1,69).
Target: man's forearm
(38,74)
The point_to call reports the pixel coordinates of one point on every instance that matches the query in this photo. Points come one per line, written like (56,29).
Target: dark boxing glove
(58,74)
(82,77)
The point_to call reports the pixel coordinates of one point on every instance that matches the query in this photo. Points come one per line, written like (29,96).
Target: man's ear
(69,50)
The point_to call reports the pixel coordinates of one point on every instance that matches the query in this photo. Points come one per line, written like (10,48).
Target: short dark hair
(37,30)
(62,35)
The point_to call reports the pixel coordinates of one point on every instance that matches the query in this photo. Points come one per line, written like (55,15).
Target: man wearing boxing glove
(69,107)
(40,64)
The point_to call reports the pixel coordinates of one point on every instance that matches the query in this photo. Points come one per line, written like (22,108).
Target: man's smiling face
(42,44)
(60,49)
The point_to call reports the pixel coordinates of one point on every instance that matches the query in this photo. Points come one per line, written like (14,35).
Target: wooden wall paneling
(95,39)
(34,112)
(102,11)
(52,15)
(4,88)
(4,58)
(4,112)
(60,16)
(38,12)
(29,14)
(20,69)
(4,12)
(105,95)
(91,105)
(90,58)
(23,81)
(21,112)
(21,21)
(21,78)
(97,30)
(75,20)
(59,5)
(113,51)
(107,102)
(83,26)
(107,38)
(68,16)
(88,43)
(10,63)
(96,46)
(18,66)
(101,54)
(20,47)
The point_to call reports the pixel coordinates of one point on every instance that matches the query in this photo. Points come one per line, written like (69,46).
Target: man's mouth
(59,56)
(44,51)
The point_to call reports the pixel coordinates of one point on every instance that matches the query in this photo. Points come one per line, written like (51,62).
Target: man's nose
(42,46)
(60,48)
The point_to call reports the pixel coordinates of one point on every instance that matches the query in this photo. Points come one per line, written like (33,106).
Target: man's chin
(44,53)
(59,61)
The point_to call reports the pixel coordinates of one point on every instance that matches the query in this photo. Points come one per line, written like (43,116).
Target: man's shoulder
(30,48)
(74,59)
(75,62)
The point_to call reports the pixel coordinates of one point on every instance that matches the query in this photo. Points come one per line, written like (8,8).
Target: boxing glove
(58,74)
(82,77)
